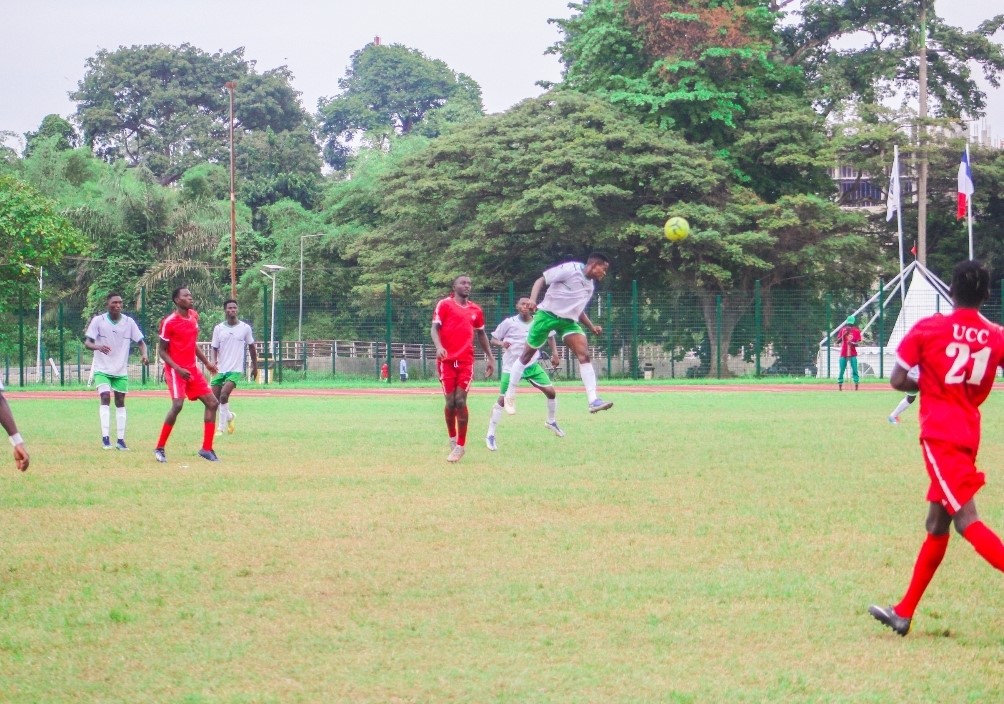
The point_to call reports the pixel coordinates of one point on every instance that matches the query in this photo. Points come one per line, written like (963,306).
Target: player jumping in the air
(110,335)
(958,355)
(569,288)
(510,335)
(230,340)
(179,335)
(454,324)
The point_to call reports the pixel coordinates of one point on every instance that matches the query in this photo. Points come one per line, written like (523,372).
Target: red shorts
(179,387)
(455,375)
(954,477)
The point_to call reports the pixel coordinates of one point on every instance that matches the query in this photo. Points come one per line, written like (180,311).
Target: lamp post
(38,347)
(270,270)
(231,85)
(299,325)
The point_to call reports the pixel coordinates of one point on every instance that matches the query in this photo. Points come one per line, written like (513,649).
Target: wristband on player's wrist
(16,439)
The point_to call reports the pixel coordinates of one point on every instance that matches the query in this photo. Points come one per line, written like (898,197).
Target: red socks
(451,422)
(165,433)
(462,416)
(987,544)
(208,429)
(931,553)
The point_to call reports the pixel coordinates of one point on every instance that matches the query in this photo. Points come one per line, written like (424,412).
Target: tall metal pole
(922,114)
(38,350)
(271,336)
(231,85)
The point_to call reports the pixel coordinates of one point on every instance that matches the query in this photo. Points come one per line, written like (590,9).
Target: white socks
(120,422)
(495,419)
(552,409)
(901,407)
(105,414)
(224,415)
(515,374)
(588,376)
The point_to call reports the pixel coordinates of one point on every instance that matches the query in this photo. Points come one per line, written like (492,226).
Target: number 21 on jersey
(962,354)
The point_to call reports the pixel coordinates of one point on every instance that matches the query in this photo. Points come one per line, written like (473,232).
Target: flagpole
(969,203)
(899,222)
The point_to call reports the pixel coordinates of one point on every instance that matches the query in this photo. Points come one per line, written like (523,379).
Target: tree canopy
(392,89)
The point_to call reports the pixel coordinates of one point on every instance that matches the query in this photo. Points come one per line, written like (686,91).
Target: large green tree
(392,89)
(167,107)
(33,234)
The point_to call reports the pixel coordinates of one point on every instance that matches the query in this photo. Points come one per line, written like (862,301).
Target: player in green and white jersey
(563,310)
(111,335)
(230,340)
(510,335)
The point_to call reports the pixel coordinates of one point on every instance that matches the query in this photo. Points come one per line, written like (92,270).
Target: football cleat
(490,443)
(232,423)
(456,454)
(600,405)
(208,455)
(106,443)
(893,420)
(552,425)
(509,402)
(120,445)
(888,616)
(159,455)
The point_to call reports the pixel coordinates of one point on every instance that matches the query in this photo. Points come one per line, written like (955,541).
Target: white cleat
(490,443)
(552,425)
(456,454)
(510,404)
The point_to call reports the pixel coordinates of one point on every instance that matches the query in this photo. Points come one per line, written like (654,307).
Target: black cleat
(208,455)
(888,616)
(159,455)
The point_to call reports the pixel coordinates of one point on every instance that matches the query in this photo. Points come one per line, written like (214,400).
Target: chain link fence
(653,334)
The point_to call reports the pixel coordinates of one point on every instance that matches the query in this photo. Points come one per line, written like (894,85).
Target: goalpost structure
(924,296)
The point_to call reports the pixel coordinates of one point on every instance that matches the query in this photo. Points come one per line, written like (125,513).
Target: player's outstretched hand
(597,329)
(21,460)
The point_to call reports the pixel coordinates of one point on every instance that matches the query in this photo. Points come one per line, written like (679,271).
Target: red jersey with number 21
(457,324)
(958,355)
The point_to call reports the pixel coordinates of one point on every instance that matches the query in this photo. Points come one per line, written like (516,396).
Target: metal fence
(646,334)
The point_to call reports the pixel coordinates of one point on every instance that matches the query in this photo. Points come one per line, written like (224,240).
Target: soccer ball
(677,229)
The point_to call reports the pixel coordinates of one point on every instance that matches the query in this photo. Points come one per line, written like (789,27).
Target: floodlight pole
(231,85)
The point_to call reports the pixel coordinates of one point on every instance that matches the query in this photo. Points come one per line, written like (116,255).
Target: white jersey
(568,290)
(231,341)
(119,336)
(514,331)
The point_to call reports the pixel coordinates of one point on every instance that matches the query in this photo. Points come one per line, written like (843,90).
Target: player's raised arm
(538,286)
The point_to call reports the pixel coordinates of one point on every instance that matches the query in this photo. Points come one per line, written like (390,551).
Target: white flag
(892,197)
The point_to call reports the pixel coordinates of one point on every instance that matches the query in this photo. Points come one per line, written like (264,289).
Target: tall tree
(391,89)
(52,126)
(32,234)
(167,108)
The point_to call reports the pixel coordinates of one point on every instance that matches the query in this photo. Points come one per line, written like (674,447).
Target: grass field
(690,546)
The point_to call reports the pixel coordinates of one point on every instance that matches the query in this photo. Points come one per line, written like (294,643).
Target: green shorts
(535,373)
(224,377)
(119,384)
(542,325)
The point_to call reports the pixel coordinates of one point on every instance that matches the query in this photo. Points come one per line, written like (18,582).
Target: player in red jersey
(179,335)
(454,324)
(958,355)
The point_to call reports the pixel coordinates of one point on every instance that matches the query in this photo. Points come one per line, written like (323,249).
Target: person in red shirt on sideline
(849,336)
(454,324)
(958,355)
(179,335)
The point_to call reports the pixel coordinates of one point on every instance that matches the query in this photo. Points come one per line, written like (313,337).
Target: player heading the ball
(570,286)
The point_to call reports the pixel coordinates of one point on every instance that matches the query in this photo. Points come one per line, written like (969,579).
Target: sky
(501,45)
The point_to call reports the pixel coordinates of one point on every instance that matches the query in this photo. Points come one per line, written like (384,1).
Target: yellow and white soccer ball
(677,229)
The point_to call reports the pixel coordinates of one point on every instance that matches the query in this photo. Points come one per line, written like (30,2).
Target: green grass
(684,547)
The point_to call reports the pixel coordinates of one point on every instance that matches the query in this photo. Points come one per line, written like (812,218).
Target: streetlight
(231,85)
(299,325)
(38,349)
(270,270)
